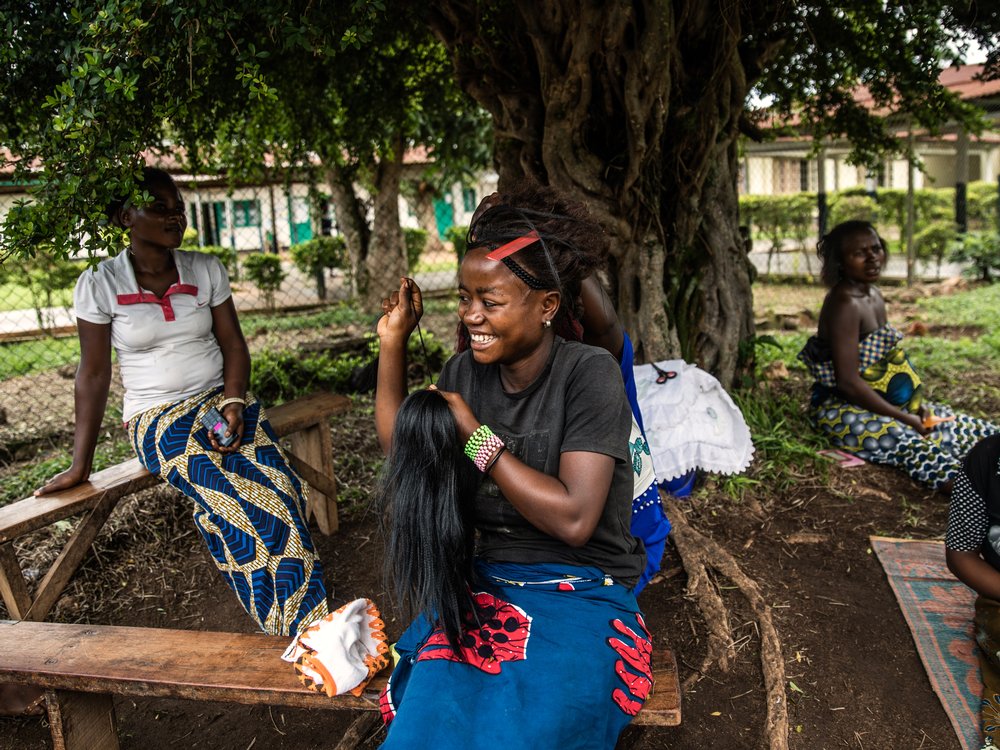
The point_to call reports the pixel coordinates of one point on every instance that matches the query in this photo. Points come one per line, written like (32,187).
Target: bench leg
(55,581)
(13,587)
(314,446)
(81,721)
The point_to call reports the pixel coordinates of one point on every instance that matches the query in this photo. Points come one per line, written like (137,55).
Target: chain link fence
(293,288)
(289,271)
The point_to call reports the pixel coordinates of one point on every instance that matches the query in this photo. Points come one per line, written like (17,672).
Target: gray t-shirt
(577,403)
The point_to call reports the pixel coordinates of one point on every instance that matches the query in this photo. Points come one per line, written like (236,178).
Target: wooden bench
(83,666)
(304,421)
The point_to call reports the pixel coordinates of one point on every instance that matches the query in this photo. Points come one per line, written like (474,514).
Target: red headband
(514,245)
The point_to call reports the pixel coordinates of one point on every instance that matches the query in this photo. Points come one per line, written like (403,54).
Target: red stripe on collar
(164,302)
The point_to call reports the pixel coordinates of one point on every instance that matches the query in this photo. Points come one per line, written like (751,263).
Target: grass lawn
(18,297)
(26,357)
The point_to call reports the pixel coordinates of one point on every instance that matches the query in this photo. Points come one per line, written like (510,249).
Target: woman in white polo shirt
(169,315)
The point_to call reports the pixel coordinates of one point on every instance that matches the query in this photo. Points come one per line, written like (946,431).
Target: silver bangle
(232,400)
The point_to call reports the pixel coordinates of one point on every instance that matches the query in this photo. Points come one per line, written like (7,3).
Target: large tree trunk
(386,262)
(633,108)
(377,255)
(350,212)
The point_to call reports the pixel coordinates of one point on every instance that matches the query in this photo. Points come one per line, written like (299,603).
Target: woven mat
(939,611)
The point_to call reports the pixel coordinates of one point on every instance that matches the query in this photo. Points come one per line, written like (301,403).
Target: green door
(444,213)
(299,221)
(219,211)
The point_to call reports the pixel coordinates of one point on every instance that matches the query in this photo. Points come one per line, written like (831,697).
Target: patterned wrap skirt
(987,627)
(560,658)
(249,506)
(933,459)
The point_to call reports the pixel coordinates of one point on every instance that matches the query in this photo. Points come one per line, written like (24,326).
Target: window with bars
(469,199)
(246,213)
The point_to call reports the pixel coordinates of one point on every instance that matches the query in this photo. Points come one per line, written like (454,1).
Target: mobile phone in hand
(215,422)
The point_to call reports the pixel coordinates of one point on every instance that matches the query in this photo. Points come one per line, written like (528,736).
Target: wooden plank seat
(83,666)
(304,421)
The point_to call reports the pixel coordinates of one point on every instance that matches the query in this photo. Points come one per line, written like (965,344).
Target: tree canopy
(635,108)
(256,93)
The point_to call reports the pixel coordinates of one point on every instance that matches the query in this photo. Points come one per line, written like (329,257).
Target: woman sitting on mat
(867,398)
(972,550)
(169,315)
(546,423)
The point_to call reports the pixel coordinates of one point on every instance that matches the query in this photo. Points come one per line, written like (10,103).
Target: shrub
(190,241)
(45,275)
(748,208)
(458,235)
(265,271)
(315,256)
(981,250)
(848,207)
(320,253)
(933,204)
(934,242)
(802,223)
(982,206)
(415,241)
(226,255)
(892,209)
(279,376)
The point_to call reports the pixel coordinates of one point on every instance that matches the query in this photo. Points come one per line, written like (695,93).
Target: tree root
(700,553)
(365,725)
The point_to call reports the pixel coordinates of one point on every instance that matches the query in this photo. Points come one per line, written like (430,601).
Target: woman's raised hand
(401,311)
(465,421)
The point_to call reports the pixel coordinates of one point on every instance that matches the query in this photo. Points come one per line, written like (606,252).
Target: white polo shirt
(166,348)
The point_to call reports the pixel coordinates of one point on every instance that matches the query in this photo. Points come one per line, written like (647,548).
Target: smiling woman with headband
(546,423)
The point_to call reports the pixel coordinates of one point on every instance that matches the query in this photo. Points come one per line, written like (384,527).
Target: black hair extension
(424,499)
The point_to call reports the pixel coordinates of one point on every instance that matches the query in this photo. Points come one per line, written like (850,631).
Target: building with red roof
(787,164)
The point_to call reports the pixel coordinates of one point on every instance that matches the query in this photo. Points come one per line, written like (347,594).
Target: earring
(546,324)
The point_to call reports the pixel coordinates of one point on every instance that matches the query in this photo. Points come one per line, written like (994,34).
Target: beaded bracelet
(231,400)
(487,449)
(493,460)
(475,441)
(490,447)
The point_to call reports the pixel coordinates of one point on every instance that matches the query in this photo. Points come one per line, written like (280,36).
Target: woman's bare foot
(21,700)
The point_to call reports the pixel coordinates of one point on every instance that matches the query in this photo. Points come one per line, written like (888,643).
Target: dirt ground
(858,680)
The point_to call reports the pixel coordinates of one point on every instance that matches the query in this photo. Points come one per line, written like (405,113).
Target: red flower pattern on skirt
(500,635)
(639,658)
